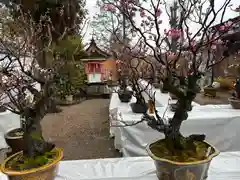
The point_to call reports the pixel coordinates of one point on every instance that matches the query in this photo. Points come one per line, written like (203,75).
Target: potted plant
(210,91)
(177,157)
(124,94)
(2,109)
(20,73)
(235,99)
(14,138)
(163,89)
(140,106)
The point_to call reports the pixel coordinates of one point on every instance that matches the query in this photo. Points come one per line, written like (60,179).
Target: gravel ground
(81,130)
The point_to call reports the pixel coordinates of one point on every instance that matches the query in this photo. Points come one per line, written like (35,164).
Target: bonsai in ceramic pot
(177,157)
(140,106)
(28,89)
(235,99)
(124,94)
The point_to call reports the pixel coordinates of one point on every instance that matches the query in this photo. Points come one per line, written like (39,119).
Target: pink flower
(213,47)
(118,61)
(158,12)
(174,33)
(222,28)
(142,14)
(109,7)
(219,41)
(193,43)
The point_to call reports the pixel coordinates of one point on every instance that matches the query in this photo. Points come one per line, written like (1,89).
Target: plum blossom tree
(191,37)
(20,72)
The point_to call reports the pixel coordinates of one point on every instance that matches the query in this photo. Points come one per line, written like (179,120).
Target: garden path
(82,130)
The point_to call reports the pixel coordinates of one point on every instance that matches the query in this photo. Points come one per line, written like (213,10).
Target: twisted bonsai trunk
(34,143)
(175,141)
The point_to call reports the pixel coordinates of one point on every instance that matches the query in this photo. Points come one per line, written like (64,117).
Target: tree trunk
(174,137)
(34,143)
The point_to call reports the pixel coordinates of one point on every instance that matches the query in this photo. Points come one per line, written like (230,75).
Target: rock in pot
(171,170)
(14,139)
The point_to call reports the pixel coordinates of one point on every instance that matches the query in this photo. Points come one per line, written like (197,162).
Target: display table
(223,167)
(219,122)
(221,127)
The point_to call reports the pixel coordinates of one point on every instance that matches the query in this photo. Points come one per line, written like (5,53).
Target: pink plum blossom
(142,14)
(213,47)
(174,33)
(109,7)
(158,12)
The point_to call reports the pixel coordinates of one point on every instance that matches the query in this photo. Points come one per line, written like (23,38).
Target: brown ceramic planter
(172,96)
(163,89)
(45,172)
(139,108)
(14,140)
(209,91)
(125,95)
(170,170)
(156,85)
(235,103)
(2,109)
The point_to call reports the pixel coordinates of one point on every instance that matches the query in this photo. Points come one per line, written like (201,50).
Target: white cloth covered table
(8,120)
(220,125)
(223,167)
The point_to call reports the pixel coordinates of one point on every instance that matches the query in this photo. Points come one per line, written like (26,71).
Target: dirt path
(82,130)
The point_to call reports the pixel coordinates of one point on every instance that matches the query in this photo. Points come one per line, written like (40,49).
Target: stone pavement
(81,130)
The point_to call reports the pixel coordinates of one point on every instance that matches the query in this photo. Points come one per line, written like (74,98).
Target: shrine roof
(93,52)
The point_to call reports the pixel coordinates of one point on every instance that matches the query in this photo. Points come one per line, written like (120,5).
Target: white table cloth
(223,167)
(221,127)
(219,122)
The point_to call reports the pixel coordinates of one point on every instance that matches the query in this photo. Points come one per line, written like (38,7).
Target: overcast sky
(91,6)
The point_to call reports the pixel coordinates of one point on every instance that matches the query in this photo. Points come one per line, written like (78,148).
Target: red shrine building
(99,67)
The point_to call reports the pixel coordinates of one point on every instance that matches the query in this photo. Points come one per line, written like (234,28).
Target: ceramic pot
(172,96)
(14,139)
(46,172)
(69,98)
(210,91)
(235,103)
(125,96)
(139,108)
(2,109)
(157,85)
(163,89)
(170,170)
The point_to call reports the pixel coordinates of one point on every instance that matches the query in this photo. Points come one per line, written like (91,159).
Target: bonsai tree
(181,40)
(21,76)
